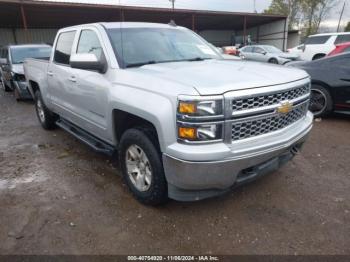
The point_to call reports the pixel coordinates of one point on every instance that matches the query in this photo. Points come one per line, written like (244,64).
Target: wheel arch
(323,84)
(320,55)
(123,121)
(33,87)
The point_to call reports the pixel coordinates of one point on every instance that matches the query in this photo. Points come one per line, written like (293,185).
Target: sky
(225,5)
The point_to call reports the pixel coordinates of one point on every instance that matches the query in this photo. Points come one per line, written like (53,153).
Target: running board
(95,143)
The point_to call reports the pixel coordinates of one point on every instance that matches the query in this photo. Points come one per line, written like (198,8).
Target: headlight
(200,109)
(200,119)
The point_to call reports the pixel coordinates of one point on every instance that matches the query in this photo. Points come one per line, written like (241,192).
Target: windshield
(19,54)
(272,49)
(140,46)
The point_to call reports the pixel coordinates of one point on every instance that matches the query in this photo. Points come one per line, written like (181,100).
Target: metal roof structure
(57,14)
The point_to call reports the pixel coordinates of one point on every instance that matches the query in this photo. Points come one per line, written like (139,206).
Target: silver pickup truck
(186,124)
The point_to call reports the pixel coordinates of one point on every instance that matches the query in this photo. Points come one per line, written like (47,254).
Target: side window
(342,39)
(64,47)
(317,40)
(89,44)
(259,50)
(248,49)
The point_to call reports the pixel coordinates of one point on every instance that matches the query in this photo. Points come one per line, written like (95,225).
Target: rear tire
(17,95)
(6,88)
(273,61)
(321,103)
(46,118)
(142,166)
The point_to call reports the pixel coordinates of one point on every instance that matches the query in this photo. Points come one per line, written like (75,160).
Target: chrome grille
(269,99)
(250,128)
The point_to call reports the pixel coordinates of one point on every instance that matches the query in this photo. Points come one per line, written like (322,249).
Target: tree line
(305,14)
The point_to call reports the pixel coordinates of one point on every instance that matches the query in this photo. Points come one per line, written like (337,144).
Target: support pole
(245,30)
(122,17)
(25,25)
(193,22)
(284,35)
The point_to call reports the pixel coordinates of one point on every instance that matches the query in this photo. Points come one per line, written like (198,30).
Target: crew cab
(185,123)
(11,66)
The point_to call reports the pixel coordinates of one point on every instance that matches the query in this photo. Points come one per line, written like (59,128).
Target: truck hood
(17,69)
(213,77)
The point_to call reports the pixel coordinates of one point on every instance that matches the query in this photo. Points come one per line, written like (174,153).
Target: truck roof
(111,25)
(29,45)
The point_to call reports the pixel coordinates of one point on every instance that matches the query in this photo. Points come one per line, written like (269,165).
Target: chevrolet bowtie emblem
(285,107)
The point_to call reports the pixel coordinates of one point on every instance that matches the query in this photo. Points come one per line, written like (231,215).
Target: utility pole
(255,11)
(341,16)
(173,4)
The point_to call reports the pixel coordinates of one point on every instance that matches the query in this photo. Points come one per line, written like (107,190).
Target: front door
(91,88)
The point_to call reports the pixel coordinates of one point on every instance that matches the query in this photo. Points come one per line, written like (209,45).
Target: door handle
(49,73)
(346,80)
(72,79)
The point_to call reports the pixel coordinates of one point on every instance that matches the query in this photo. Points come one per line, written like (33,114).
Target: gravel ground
(59,197)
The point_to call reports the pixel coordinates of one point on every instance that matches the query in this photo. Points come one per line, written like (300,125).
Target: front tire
(273,61)
(46,118)
(321,103)
(142,166)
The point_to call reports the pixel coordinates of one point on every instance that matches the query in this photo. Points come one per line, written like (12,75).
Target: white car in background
(320,45)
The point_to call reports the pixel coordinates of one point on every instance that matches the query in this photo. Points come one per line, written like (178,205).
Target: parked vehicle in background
(330,90)
(230,50)
(226,56)
(296,50)
(3,56)
(11,63)
(340,48)
(187,124)
(266,53)
(320,45)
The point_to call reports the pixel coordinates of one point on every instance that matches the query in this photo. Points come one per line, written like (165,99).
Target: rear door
(59,75)
(259,54)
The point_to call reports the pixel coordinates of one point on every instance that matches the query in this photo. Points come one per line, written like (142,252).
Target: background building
(30,21)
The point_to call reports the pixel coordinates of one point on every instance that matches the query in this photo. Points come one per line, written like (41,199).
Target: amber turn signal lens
(187,133)
(187,108)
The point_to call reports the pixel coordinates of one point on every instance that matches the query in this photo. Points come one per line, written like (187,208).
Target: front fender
(153,107)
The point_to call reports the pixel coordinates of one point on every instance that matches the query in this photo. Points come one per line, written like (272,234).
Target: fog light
(187,133)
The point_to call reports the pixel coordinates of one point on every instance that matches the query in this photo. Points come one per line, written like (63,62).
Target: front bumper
(196,180)
(22,89)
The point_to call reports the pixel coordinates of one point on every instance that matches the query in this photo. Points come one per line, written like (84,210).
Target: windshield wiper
(198,59)
(140,64)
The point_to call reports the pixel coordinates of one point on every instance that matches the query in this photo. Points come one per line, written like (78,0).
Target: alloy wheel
(139,168)
(318,102)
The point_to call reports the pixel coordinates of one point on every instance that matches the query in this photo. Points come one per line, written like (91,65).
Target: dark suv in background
(11,66)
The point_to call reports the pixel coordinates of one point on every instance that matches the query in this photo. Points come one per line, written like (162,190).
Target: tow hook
(294,151)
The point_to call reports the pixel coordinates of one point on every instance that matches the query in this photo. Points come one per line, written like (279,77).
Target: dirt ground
(59,197)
